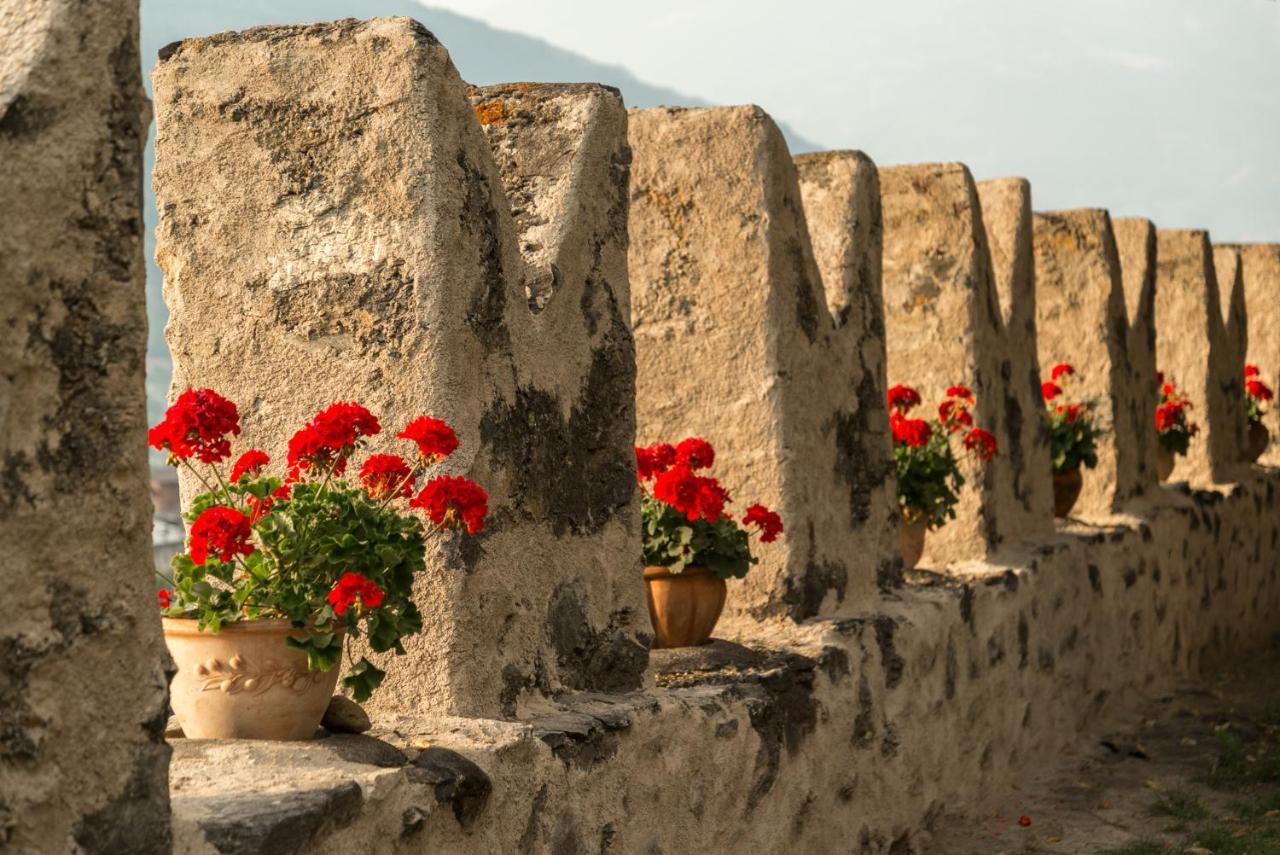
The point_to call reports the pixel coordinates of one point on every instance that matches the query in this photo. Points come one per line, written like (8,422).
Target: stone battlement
(342,217)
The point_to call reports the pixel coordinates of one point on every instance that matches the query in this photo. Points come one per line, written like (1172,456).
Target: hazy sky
(1168,109)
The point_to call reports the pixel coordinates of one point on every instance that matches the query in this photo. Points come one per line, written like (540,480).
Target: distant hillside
(482,54)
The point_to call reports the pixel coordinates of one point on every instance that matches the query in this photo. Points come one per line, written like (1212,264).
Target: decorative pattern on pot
(691,546)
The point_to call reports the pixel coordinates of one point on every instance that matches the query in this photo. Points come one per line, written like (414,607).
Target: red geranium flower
(352,587)
(1072,412)
(1050,390)
(249,463)
(960,391)
(981,441)
(1258,390)
(198,425)
(383,473)
(654,460)
(164,597)
(912,432)
(330,437)
(1167,389)
(769,522)
(224,531)
(1024,820)
(903,398)
(435,439)
(453,501)
(692,495)
(695,453)
(954,415)
(1060,369)
(1251,370)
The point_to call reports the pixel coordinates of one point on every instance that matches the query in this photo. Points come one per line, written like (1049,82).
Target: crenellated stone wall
(1083,320)
(343,217)
(345,235)
(736,342)
(83,700)
(1194,353)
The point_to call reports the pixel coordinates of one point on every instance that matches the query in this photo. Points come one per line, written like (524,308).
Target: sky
(1168,109)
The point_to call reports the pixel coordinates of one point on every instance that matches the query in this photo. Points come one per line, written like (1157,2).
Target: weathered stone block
(943,326)
(1024,489)
(333,226)
(1261,274)
(1083,320)
(1193,351)
(1228,267)
(1136,246)
(735,343)
(83,764)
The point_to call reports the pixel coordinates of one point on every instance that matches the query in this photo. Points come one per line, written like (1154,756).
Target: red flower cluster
(1072,412)
(653,460)
(695,496)
(199,424)
(983,442)
(453,501)
(1060,369)
(249,463)
(913,432)
(434,438)
(164,597)
(330,437)
(768,521)
(352,587)
(384,475)
(695,453)
(1254,387)
(1050,390)
(903,398)
(1171,412)
(223,531)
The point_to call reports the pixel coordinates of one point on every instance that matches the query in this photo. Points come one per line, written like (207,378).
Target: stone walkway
(1197,771)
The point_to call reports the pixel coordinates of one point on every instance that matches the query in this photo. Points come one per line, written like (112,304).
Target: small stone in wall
(345,716)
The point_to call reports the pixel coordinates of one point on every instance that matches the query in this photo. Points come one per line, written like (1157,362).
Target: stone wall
(342,217)
(341,235)
(83,764)
(1261,275)
(1083,320)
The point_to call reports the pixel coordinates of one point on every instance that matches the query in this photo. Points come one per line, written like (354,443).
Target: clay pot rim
(658,571)
(266,626)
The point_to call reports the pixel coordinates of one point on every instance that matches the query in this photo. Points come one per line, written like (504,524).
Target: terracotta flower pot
(1258,440)
(1164,464)
(245,682)
(684,607)
(1066,491)
(911,541)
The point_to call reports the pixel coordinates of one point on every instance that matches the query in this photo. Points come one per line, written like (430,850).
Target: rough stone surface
(83,765)
(735,343)
(333,224)
(1192,350)
(1228,266)
(1083,320)
(344,715)
(943,326)
(1023,489)
(1136,247)
(838,734)
(1261,273)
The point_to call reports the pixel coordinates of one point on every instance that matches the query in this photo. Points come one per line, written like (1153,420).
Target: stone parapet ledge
(873,725)
(334,226)
(736,342)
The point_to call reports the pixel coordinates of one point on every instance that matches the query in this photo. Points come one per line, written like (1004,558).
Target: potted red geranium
(929,478)
(1257,395)
(691,545)
(281,571)
(1174,427)
(1072,439)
